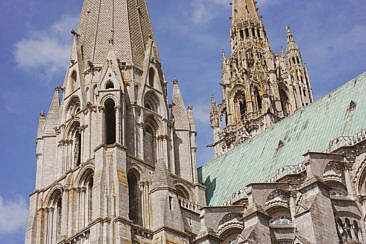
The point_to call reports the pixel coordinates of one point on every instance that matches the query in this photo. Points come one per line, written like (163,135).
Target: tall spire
(245,10)
(53,115)
(291,44)
(124,23)
(179,110)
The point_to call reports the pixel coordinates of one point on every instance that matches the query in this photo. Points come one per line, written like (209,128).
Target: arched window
(284,102)
(86,199)
(149,145)
(293,60)
(258,99)
(151,77)
(253,32)
(298,60)
(73,158)
(54,218)
(151,101)
(110,122)
(181,192)
(109,85)
(246,33)
(77,148)
(240,100)
(241,34)
(134,197)
(223,119)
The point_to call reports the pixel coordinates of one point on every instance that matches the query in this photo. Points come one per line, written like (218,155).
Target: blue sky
(35,42)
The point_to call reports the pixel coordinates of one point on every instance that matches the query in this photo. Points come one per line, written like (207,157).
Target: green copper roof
(309,129)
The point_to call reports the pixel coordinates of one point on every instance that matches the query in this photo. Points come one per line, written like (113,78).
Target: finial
(213,100)
(42,114)
(290,37)
(190,107)
(73,32)
(175,81)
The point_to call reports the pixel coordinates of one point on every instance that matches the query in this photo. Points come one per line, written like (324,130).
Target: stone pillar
(140,140)
(123,122)
(71,211)
(64,212)
(117,109)
(101,130)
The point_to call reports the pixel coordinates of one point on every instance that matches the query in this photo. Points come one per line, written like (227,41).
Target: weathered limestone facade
(116,163)
(259,87)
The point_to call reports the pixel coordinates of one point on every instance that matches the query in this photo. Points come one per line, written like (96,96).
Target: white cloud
(45,52)
(13,215)
(204,11)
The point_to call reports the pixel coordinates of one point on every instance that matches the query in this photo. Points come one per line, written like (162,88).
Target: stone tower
(259,87)
(115,162)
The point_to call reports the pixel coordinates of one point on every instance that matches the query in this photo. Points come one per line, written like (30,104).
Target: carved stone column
(101,125)
(117,109)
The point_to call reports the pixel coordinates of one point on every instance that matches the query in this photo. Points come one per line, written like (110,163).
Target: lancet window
(134,197)
(240,101)
(110,122)
(258,99)
(53,218)
(149,144)
(85,201)
(151,77)
(284,102)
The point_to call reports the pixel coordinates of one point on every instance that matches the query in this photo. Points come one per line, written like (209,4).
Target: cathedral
(116,157)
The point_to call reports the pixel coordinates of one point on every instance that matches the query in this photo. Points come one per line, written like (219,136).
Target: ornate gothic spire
(291,44)
(124,23)
(245,10)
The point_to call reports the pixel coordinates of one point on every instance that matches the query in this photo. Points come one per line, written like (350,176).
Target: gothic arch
(150,141)
(285,102)
(257,98)
(230,227)
(86,184)
(110,122)
(109,97)
(73,106)
(240,103)
(73,140)
(48,199)
(151,101)
(152,74)
(134,197)
(53,216)
(183,192)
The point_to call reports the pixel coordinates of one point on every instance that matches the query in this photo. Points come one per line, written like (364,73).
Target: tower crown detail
(259,87)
